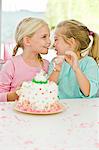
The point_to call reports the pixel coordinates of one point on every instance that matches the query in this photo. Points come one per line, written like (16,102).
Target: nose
(49,41)
(54,45)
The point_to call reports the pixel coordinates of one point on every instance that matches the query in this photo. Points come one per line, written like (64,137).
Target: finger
(18,88)
(67,59)
(68,56)
(72,54)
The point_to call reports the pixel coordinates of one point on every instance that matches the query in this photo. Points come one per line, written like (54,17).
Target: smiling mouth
(46,47)
(56,50)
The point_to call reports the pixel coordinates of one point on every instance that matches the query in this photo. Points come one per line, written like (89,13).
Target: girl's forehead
(57,34)
(43,30)
(58,31)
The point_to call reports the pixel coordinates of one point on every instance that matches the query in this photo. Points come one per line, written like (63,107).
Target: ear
(72,42)
(27,40)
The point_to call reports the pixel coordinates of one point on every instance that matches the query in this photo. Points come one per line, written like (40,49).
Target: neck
(32,59)
(29,56)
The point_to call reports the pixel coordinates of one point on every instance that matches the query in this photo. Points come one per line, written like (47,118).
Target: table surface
(76,128)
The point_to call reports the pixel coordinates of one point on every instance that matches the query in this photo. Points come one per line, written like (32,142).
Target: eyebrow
(45,34)
(56,37)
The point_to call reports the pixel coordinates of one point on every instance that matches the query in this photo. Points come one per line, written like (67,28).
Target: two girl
(75,68)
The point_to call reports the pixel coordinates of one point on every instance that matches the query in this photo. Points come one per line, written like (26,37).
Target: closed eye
(44,36)
(56,39)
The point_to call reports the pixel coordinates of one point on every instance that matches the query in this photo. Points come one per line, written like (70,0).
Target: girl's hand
(12,96)
(72,59)
(58,63)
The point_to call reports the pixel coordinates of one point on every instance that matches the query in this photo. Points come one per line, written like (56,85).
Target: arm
(57,64)
(83,82)
(54,76)
(6,77)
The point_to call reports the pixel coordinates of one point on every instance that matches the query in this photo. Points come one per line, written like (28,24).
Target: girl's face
(40,41)
(61,46)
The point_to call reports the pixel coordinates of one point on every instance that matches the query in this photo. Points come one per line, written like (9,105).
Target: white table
(76,128)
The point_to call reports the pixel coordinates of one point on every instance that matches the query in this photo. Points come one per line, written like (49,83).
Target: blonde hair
(75,29)
(27,27)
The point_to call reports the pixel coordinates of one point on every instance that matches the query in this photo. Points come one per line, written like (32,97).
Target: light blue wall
(11,19)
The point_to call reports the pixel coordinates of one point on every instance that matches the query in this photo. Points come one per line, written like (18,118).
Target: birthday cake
(40,95)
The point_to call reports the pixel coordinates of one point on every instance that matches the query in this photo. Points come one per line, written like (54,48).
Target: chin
(45,52)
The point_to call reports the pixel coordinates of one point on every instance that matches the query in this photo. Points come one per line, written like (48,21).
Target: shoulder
(87,60)
(89,65)
(8,67)
(16,58)
(10,63)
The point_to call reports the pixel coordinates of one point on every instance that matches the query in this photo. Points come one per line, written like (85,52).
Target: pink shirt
(14,72)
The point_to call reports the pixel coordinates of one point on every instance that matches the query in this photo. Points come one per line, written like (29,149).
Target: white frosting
(40,96)
(42,76)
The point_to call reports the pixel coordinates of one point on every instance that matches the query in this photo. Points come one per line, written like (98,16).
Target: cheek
(39,44)
(67,48)
(57,44)
(61,46)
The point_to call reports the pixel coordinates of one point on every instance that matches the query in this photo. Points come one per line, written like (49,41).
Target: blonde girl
(75,69)
(32,35)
